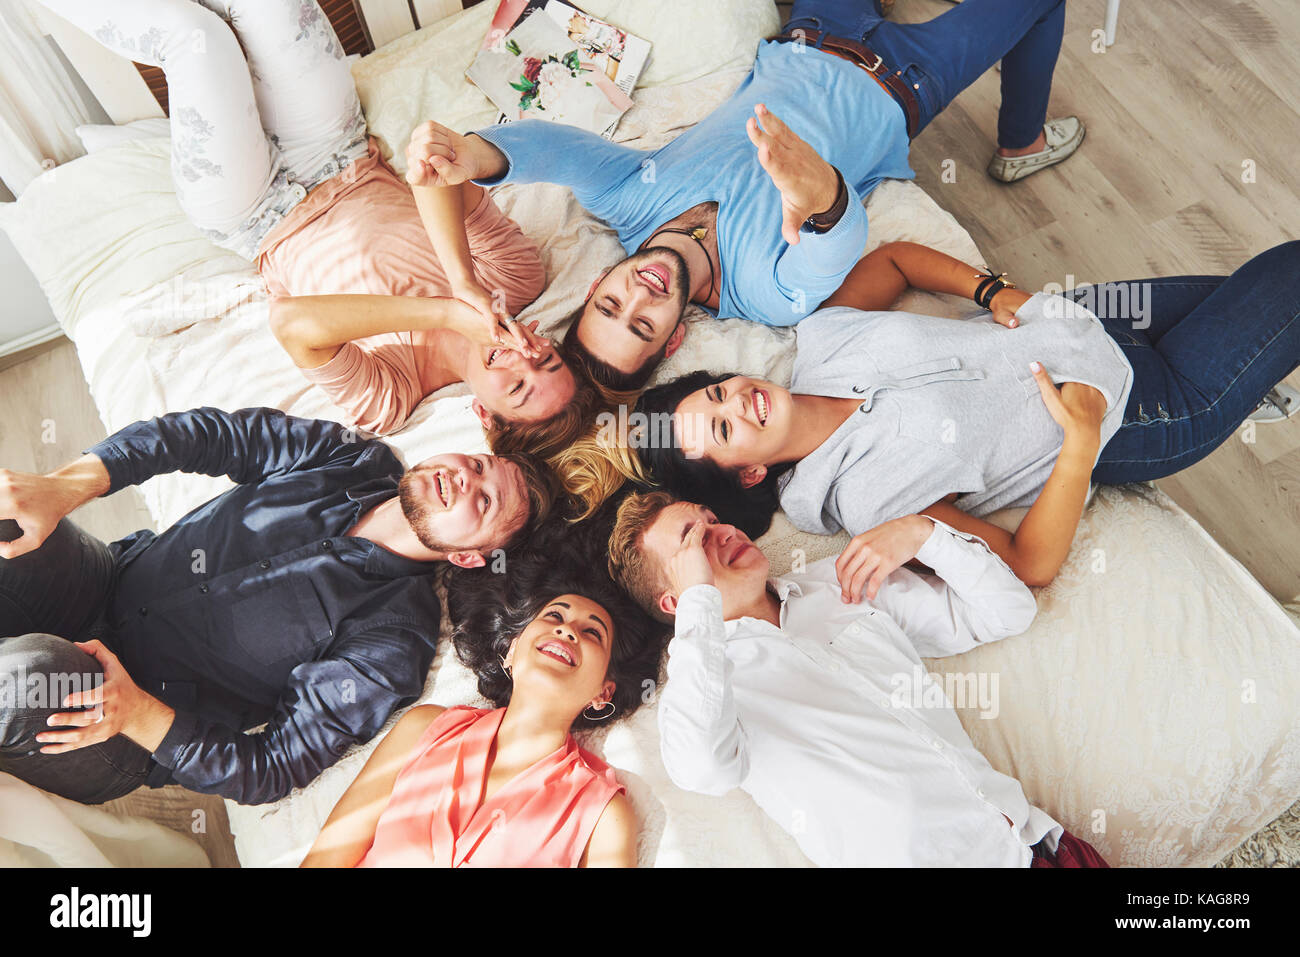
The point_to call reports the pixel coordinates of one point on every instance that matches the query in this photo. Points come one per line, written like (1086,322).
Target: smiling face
(464,502)
(634,309)
(738,423)
(564,654)
(739,568)
(509,384)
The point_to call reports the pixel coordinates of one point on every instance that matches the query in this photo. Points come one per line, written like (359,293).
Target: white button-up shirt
(823,723)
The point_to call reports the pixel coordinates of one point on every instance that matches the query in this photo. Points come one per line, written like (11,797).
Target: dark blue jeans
(943,56)
(48,598)
(1204,351)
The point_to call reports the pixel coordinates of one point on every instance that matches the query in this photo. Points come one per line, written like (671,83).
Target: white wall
(24,311)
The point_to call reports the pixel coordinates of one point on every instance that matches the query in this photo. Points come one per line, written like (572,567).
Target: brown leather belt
(868,60)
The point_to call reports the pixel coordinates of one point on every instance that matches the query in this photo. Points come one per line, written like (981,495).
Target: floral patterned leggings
(253,129)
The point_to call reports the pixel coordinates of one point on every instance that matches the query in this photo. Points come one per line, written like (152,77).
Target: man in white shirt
(797,691)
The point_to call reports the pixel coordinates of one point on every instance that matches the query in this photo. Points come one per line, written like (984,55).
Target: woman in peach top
(509,787)
(383,291)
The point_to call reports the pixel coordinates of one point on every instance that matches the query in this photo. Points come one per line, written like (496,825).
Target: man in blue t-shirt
(757,210)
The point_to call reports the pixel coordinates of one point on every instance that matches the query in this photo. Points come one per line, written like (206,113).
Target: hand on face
(481,319)
(872,556)
(807,182)
(683,532)
(464,504)
(518,388)
(634,309)
(690,564)
(565,651)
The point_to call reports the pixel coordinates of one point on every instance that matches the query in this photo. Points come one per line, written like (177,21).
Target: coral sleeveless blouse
(543,817)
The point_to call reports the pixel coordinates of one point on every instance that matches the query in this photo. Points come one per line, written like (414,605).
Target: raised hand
(872,556)
(439,156)
(807,182)
(492,329)
(504,330)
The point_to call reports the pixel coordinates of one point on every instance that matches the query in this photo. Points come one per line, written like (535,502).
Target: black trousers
(48,599)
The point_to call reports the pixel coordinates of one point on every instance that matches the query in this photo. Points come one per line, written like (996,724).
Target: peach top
(361,233)
(543,817)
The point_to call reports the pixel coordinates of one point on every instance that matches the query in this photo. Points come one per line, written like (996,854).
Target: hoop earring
(603,714)
(505,667)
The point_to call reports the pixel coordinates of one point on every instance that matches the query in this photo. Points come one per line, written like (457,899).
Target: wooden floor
(1192,90)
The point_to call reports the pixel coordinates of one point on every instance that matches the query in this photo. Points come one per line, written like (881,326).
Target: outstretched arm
(349,831)
(536,151)
(312,329)
(885,273)
(1038,548)
(245,446)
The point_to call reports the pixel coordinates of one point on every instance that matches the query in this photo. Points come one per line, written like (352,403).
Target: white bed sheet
(1152,708)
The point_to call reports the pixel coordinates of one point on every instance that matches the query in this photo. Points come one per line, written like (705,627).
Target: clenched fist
(439,156)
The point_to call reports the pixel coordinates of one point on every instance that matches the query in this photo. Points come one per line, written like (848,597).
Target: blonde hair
(594,467)
(636,572)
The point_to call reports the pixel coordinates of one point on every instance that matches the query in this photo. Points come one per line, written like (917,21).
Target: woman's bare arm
(885,273)
(312,329)
(350,829)
(613,842)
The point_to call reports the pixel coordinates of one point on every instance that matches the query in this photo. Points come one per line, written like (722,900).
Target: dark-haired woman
(507,787)
(891,413)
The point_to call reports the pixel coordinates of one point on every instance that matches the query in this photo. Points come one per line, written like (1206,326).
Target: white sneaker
(1063,138)
(1279,405)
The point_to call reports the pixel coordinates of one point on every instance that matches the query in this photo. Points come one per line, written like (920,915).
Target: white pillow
(106,226)
(96,136)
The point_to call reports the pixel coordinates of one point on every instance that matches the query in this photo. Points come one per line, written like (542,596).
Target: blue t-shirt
(835,106)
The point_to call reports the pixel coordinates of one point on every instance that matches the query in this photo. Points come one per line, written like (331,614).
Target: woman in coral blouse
(508,787)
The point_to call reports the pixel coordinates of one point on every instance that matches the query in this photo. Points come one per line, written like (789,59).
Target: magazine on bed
(549,60)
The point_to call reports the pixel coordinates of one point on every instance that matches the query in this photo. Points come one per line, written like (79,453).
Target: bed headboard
(129,91)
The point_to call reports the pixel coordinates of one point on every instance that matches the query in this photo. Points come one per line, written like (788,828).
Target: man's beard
(419,514)
(681,275)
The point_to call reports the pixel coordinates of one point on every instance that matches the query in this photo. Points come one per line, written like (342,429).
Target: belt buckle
(875,66)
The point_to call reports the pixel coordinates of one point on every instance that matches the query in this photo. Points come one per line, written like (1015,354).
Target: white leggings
(250,135)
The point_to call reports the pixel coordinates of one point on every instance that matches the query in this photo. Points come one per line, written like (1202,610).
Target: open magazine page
(545,59)
(618,53)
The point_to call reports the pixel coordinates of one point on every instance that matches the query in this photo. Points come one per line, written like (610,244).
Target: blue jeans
(1204,351)
(48,598)
(943,56)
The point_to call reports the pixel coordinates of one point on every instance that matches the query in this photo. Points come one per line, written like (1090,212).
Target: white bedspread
(1153,708)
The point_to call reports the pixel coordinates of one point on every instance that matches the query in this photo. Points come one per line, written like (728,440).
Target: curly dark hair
(699,480)
(488,610)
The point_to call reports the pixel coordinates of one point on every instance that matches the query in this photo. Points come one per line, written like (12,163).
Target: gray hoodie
(947,406)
